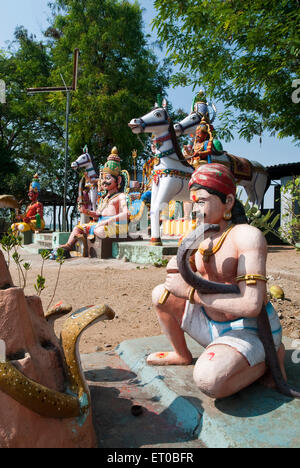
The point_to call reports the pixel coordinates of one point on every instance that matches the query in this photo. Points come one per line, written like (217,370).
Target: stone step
(35,248)
(143,252)
(41,236)
(46,244)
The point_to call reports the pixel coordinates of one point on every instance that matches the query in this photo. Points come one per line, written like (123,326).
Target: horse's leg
(256,187)
(168,189)
(249,187)
(261,182)
(154,214)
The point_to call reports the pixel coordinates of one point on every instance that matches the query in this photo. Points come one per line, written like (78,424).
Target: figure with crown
(33,218)
(205,142)
(112,212)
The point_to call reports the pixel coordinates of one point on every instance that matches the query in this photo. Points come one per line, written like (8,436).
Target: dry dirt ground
(126,288)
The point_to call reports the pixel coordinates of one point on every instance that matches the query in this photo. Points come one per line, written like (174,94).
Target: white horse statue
(257,180)
(90,179)
(171,172)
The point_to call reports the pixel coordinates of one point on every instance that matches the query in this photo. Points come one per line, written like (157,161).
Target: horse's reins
(155,123)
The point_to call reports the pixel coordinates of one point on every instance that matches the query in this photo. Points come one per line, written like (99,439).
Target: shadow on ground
(114,392)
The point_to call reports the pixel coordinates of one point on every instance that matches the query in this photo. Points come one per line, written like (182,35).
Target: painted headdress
(35,185)
(113,164)
(201,106)
(113,167)
(215,176)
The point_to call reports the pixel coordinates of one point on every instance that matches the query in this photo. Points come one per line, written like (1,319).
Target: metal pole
(64,228)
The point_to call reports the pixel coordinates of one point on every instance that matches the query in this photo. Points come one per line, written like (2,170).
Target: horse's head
(188,124)
(82,161)
(156,121)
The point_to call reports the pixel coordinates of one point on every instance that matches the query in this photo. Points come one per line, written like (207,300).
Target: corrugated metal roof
(284,170)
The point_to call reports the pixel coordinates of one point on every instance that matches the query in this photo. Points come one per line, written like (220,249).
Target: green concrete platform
(256,417)
(143,252)
(45,241)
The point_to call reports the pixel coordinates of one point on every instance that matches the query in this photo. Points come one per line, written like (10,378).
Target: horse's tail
(268,181)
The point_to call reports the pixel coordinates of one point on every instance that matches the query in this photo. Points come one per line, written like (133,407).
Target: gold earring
(227,215)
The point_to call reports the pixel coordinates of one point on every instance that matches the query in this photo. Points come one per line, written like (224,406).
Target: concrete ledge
(255,417)
(289,275)
(142,251)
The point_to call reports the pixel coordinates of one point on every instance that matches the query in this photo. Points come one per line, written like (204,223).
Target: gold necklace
(207,253)
(104,201)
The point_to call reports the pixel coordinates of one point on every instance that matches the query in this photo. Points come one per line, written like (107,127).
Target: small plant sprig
(60,258)
(41,280)
(9,242)
(263,222)
(18,261)
(40,284)
(158,261)
(26,266)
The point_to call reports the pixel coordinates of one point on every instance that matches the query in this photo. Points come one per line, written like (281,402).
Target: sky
(33,14)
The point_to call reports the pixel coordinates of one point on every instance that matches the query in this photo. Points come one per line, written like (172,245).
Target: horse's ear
(85,149)
(155,105)
(164,103)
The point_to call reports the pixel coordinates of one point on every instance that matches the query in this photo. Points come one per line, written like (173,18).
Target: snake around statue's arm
(203,286)
(43,400)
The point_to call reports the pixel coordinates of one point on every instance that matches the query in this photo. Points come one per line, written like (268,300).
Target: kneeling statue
(227,325)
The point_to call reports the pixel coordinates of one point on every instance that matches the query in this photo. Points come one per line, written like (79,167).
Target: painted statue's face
(210,206)
(202,136)
(33,196)
(109,183)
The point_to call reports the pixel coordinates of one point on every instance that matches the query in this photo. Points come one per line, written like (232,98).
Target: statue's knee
(209,384)
(157,293)
(100,232)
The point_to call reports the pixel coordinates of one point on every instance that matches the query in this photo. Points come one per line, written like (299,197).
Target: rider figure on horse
(205,144)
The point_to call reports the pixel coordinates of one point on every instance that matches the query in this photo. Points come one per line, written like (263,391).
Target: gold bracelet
(251,279)
(191,296)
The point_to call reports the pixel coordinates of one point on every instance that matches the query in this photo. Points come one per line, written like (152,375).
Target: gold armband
(251,279)
(191,296)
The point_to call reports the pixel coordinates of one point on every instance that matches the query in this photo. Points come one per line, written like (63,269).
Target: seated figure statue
(225,324)
(33,219)
(112,213)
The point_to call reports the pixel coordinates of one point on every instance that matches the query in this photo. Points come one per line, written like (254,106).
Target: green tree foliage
(119,78)
(25,124)
(119,75)
(244,52)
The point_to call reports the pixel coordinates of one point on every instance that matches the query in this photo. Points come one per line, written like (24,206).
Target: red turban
(215,176)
